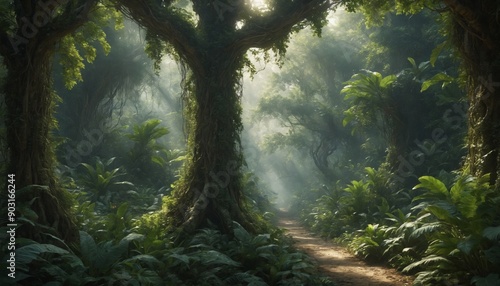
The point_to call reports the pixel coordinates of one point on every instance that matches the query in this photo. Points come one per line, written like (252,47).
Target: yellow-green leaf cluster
(81,45)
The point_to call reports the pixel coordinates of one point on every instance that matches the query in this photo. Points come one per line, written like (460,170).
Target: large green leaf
(429,260)
(426,229)
(26,254)
(143,258)
(492,233)
(434,185)
(240,233)
(181,257)
(440,77)
(122,209)
(213,257)
(469,244)
(387,81)
(88,247)
(493,254)
(435,53)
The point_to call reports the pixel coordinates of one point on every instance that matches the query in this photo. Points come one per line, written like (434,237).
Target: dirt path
(343,268)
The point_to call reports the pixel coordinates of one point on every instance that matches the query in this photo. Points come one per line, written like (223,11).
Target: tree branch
(167,23)
(262,32)
(50,30)
(471,19)
(74,15)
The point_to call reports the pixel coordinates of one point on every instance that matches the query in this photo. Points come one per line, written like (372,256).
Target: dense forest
(164,142)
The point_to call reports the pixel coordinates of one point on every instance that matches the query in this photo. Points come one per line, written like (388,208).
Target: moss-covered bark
(27,51)
(214,51)
(210,188)
(29,102)
(476,33)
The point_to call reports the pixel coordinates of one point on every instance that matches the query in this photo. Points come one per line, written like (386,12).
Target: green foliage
(346,209)
(97,264)
(460,225)
(112,252)
(149,160)
(376,11)
(369,244)
(100,184)
(370,95)
(77,47)
(437,78)
(263,259)
(146,134)
(109,226)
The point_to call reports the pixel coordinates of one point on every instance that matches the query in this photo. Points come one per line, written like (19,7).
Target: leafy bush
(150,159)
(462,227)
(356,205)
(97,264)
(101,185)
(112,254)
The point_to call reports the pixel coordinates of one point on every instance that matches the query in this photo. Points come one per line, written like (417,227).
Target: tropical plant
(461,225)
(145,137)
(100,184)
(150,159)
(369,92)
(96,264)
(370,244)
(353,207)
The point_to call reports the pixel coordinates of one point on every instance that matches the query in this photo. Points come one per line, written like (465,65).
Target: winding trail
(335,262)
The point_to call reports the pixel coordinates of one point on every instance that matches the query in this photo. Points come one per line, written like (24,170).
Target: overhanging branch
(262,32)
(37,17)
(74,15)
(167,23)
(471,18)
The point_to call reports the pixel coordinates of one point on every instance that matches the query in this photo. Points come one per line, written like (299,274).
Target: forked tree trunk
(30,103)
(214,47)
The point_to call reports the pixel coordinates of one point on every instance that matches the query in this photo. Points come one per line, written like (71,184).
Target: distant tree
(304,96)
(212,38)
(473,29)
(30,33)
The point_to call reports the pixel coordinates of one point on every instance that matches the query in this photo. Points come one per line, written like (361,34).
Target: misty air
(250,142)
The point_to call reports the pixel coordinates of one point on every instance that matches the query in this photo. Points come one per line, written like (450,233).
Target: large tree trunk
(484,123)
(30,103)
(476,34)
(213,49)
(210,189)
(27,50)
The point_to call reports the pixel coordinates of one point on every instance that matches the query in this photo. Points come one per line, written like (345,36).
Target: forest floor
(336,262)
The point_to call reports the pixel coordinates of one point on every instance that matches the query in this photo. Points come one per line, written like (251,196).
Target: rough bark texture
(29,99)
(212,183)
(210,188)
(476,33)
